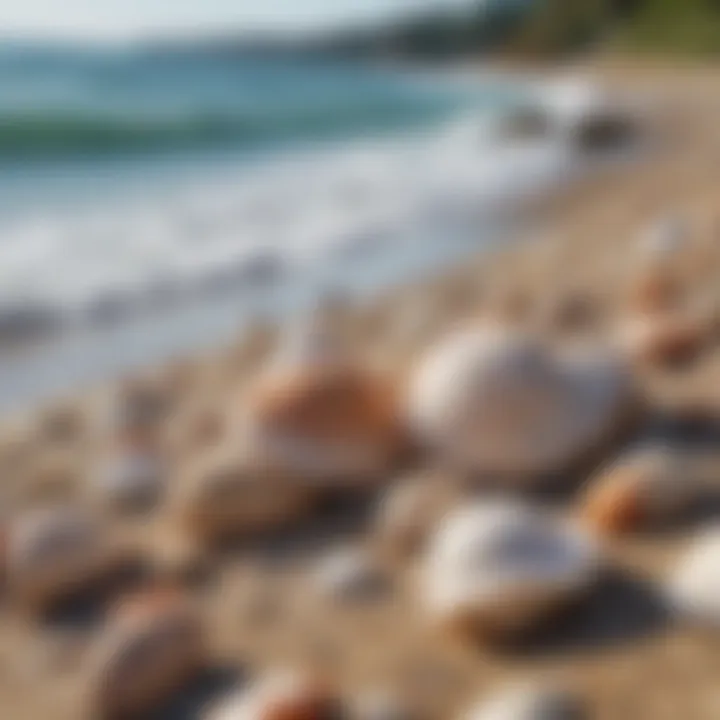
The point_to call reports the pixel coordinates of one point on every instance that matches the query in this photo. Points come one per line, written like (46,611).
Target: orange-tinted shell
(656,291)
(614,503)
(340,404)
(311,701)
(666,340)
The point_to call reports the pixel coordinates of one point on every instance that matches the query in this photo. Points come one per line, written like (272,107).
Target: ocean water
(151,201)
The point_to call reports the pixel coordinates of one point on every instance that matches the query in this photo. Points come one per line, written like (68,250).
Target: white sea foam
(299,209)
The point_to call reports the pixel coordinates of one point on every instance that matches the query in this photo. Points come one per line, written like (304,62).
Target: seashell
(499,568)
(53,552)
(409,510)
(151,647)
(131,478)
(322,417)
(228,492)
(647,487)
(663,340)
(530,702)
(283,696)
(494,401)
(693,589)
(349,575)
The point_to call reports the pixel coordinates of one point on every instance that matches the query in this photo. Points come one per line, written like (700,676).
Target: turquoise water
(153,201)
(84,104)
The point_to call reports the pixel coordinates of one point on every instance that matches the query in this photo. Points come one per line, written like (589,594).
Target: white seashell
(694,586)
(502,566)
(493,400)
(53,551)
(530,703)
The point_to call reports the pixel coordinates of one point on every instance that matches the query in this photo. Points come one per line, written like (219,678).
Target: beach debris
(281,696)
(323,416)
(54,552)
(530,702)
(693,589)
(498,568)
(492,400)
(409,510)
(351,575)
(131,478)
(664,340)
(646,487)
(151,646)
(227,491)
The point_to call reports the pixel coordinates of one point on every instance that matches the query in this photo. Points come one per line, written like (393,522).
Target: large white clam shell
(502,566)
(493,400)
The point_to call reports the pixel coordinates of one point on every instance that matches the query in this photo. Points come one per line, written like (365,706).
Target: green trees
(557,26)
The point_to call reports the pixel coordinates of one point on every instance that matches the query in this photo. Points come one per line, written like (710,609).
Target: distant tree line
(542,27)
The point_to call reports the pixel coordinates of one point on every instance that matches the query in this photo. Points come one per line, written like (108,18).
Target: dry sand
(617,649)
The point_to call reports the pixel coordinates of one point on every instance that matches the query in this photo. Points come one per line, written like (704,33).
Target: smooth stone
(227,491)
(54,551)
(150,648)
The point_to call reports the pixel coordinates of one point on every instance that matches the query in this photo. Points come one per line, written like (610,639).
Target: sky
(107,19)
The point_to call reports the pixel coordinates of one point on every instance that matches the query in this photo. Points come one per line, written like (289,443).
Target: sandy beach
(618,650)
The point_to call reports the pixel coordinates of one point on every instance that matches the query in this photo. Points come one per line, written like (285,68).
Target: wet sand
(618,648)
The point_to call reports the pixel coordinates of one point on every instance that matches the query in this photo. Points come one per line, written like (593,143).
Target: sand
(618,648)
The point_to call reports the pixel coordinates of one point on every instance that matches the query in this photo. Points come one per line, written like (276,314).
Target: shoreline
(119,337)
